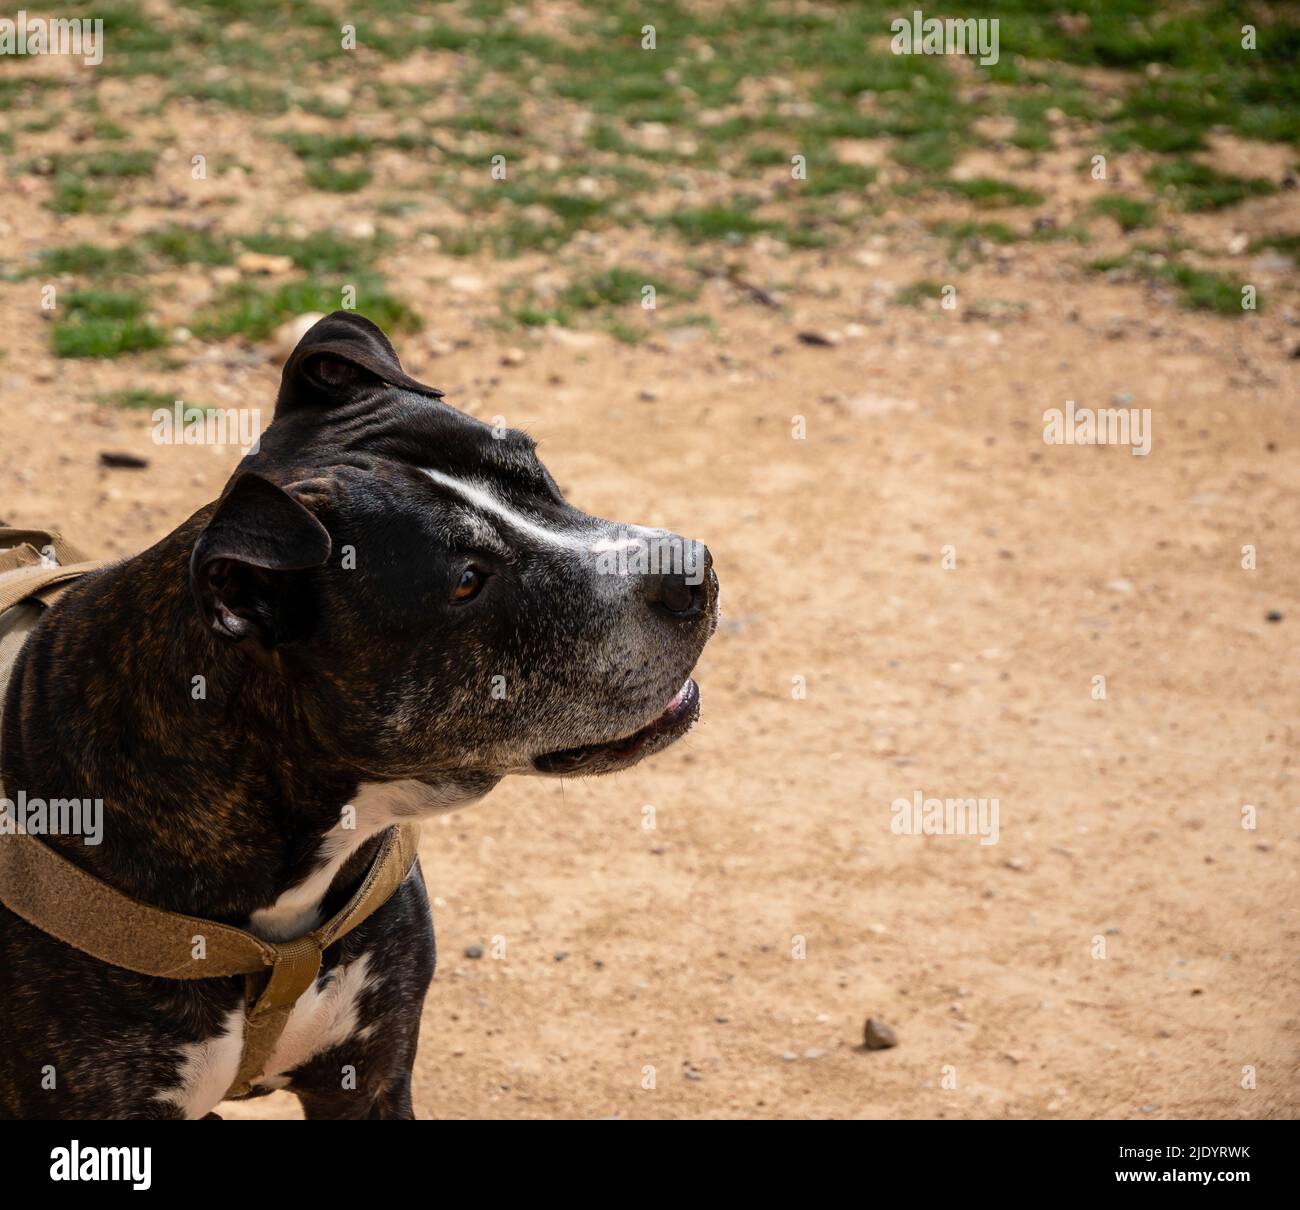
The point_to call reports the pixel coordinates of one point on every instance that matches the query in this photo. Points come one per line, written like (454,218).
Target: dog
(390,608)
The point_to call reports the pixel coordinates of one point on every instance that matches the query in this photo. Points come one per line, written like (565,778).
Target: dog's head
(437,604)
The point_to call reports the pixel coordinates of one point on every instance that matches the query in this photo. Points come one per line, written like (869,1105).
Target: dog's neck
(218,798)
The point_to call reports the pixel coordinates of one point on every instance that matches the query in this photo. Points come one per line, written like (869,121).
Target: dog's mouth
(672,724)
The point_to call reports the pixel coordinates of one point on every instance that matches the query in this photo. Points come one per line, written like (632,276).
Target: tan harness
(63,900)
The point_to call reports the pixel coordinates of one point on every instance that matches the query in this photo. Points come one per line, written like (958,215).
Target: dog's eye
(467,586)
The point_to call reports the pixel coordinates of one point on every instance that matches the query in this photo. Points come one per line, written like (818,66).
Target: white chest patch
(325,1016)
(377,804)
(207,1069)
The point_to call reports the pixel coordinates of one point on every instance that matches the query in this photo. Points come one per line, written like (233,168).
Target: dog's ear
(337,356)
(243,565)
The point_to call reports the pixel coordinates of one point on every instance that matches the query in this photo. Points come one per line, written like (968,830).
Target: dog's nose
(684,593)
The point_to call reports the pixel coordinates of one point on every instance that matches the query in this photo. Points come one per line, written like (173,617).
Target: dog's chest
(326,1017)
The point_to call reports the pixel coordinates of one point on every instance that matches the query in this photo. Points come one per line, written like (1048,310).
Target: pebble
(1273,615)
(122,461)
(473,951)
(264,263)
(512,357)
(819,339)
(286,337)
(466,283)
(876,1035)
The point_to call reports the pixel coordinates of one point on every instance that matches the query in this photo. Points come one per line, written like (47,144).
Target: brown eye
(467,587)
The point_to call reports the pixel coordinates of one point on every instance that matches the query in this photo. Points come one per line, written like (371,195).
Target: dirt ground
(1126,950)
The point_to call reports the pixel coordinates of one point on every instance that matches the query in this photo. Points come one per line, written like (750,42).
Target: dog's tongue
(677,697)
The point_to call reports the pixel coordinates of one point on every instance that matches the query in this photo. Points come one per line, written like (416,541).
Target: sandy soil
(655,973)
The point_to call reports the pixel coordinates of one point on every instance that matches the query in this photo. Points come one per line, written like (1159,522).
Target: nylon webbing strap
(58,897)
(26,568)
(61,899)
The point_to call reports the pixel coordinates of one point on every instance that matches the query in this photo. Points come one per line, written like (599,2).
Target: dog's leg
(392,1104)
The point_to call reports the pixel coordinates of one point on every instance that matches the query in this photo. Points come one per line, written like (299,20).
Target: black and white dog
(390,608)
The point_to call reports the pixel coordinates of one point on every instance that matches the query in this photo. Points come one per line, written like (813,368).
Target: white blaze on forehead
(608,545)
(482,498)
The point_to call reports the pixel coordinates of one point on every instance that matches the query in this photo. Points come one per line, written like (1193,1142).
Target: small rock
(878,405)
(286,337)
(573,340)
(1273,615)
(646,395)
(466,283)
(789,1056)
(1125,586)
(512,357)
(560,955)
(821,340)
(876,1035)
(122,461)
(473,951)
(815,1052)
(261,262)
(438,347)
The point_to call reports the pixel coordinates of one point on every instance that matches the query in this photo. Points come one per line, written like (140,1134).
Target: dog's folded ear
(243,565)
(338,355)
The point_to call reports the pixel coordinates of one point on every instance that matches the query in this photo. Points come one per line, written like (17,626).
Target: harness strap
(58,897)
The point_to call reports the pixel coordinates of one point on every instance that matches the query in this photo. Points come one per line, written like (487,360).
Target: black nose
(682,594)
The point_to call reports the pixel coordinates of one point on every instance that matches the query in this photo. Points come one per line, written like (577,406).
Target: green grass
(1197,187)
(103,323)
(138,398)
(918,292)
(967,233)
(988,193)
(825,179)
(611,288)
(75,195)
(777,79)
(1198,289)
(84,259)
(1129,212)
(177,245)
(715,223)
(1285,242)
(252,312)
